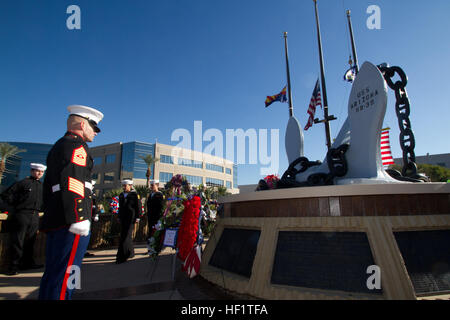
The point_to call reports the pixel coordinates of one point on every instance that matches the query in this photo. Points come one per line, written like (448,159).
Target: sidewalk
(138,279)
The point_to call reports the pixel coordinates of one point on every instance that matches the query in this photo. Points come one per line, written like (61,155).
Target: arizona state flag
(278,97)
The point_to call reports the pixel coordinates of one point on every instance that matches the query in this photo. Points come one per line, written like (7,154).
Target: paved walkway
(137,279)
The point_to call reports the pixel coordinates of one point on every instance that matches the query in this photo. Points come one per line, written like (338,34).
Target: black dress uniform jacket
(155,205)
(67,198)
(24,199)
(129,207)
(25,195)
(129,211)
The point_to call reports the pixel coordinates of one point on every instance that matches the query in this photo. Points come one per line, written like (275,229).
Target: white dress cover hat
(38,166)
(92,115)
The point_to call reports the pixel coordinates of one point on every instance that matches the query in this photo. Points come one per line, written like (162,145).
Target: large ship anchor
(354,157)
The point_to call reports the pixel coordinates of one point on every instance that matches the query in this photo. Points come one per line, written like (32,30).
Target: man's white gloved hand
(81,228)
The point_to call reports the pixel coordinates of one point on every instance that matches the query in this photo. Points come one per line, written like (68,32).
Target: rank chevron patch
(76,186)
(79,156)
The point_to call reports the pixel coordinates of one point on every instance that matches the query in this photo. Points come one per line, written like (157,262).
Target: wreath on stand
(183,212)
(172,220)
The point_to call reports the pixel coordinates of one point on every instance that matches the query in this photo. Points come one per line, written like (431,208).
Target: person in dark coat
(129,212)
(25,199)
(68,204)
(155,204)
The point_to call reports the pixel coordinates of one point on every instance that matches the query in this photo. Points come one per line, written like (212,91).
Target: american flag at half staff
(316,100)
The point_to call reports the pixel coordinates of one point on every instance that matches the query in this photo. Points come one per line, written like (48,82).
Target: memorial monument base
(386,241)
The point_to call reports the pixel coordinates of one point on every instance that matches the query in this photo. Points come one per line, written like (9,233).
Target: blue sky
(155,66)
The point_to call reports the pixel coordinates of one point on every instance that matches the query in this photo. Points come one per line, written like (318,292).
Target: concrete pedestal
(377,212)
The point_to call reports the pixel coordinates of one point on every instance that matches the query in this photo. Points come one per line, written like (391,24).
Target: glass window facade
(211,182)
(165,177)
(214,167)
(190,163)
(229,186)
(18,167)
(228,170)
(194,180)
(166,159)
(235,172)
(133,166)
(110,158)
(98,160)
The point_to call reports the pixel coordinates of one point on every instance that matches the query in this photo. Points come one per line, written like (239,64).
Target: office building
(18,166)
(118,161)
(442,159)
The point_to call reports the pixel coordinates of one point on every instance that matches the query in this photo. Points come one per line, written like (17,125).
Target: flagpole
(355,58)
(327,118)
(291,108)
(293,139)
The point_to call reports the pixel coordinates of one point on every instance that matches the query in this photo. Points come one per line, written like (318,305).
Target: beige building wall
(114,171)
(176,153)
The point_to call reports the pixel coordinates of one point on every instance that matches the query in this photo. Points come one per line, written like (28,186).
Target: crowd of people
(67,199)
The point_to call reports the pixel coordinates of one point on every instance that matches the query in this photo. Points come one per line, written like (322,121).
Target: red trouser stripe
(71,258)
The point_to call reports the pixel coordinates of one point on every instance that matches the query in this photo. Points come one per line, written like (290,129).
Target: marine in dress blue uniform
(68,203)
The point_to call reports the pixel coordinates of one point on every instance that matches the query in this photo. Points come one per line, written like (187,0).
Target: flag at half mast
(278,97)
(315,101)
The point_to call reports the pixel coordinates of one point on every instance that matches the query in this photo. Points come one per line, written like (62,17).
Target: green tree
(434,172)
(7,151)
(142,191)
(149,160)
(108,195)
(214,192)
(222,191)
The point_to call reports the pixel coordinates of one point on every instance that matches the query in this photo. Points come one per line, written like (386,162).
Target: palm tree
(142,191)
(149,160)
(7,151)
(108,195)
(222,191)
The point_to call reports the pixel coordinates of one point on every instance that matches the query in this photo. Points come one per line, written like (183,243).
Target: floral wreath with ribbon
(186,209)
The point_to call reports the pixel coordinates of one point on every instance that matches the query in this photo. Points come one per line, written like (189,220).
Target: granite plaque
(427,258)
(236,251)
(323,260)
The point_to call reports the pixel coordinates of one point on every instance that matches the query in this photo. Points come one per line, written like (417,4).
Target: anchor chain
(337,165)
(402,109)
(304,163)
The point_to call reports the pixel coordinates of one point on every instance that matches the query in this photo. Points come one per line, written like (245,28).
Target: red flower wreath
(187,233)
